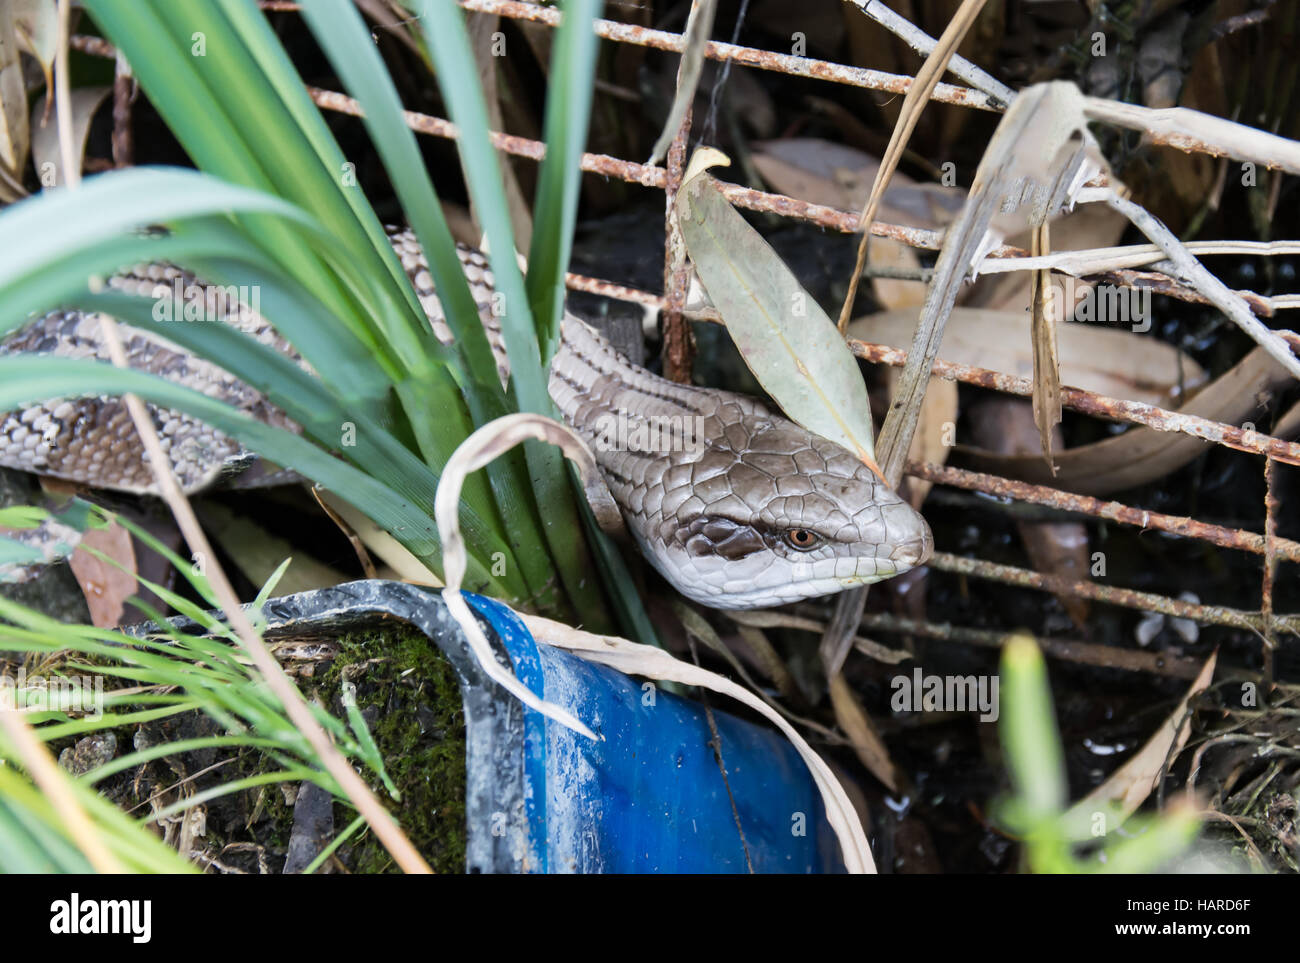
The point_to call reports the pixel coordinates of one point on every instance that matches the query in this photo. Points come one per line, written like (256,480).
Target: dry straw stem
(1193,272)
(923,43)
(53,782)
(1047,362)
(479,449)
(910,114)
(385,828)
(699,24)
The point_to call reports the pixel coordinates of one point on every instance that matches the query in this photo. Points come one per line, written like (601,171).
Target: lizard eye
(802,539)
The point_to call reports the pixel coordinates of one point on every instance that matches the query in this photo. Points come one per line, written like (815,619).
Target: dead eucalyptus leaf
(786,339)
(1047,371)
(15,133)
(37,25)
(834,175)
(892,292)
(106,586)
(1006,425)
(377,541)
(45,136)
(1129,785)
(857,725)
(1141,454)
(935,431)
(1113,362)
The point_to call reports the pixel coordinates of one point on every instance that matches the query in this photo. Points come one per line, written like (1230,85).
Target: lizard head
(770,513)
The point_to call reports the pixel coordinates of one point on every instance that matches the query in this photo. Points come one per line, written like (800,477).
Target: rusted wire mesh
(1273,549)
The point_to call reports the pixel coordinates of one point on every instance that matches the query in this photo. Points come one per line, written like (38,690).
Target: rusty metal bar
(678,346)
(762,202)
(1272,548)
(1086,653)
(1128,598)
(746,56)
(1272,507)
(1099,406)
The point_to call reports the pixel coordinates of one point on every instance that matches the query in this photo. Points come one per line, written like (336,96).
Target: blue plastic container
(648,798)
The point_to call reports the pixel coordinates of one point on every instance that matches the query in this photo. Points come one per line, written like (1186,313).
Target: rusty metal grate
(1264,621)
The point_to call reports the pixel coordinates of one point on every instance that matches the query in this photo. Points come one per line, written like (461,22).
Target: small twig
(927,78)
(123,94)
(1206,283)
(699,24)
(923,43)
(54,783)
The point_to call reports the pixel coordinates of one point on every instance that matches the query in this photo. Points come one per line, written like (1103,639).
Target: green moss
(410,697)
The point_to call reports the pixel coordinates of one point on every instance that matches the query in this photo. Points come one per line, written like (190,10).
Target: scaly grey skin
(736,506)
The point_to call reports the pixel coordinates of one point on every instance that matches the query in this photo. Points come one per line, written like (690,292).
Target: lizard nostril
(918,549)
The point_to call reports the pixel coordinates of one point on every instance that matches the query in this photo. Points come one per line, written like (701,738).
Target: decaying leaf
(786,339)
(935,431)
(37,26)
(1112,362)
(834,175)
(105,585)
(1141,455)
(1047,372)
(1006,425)
(15,134)
(857,725)
(388,549)
(1130,784)
(45,133)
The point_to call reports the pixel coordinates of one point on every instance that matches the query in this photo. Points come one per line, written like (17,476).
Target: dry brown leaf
(918,95)
(833,175)
(1117,363)
(1141,454)
(105,585)
(935,431)
(857,725)
(1130,784)
(46,154)
(894,293)
(380,543)
(1047,370)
